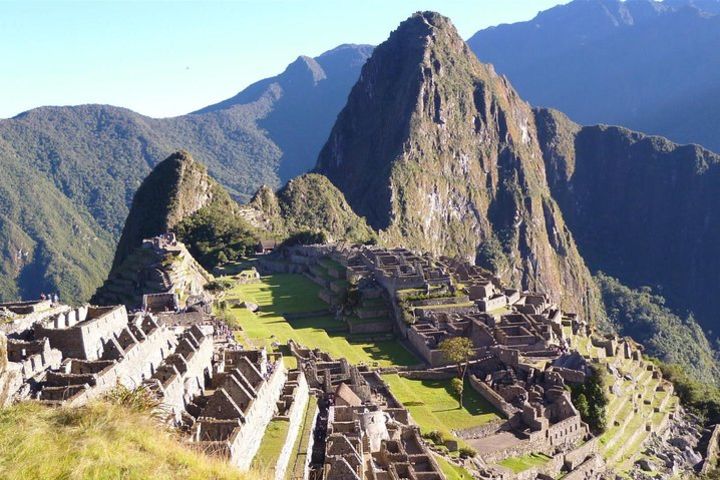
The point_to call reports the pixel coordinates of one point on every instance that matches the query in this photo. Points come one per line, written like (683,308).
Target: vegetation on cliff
(702,398)
(46,243)
(641,208)
(311,202)
(306,207)
(180,196)
(215,237)
(175,190)
(643,315)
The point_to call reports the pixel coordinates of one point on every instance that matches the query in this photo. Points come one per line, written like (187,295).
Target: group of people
(53,297)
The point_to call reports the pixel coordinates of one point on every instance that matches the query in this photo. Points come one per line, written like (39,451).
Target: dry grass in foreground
(104,440)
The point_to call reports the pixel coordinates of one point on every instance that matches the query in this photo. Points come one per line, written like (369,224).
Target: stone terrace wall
(433,357)
(24,322)
(182,374)
(83,338)
(137,364)
(295,417)
(576,457)
(588,470)
(428,374)
(10,375)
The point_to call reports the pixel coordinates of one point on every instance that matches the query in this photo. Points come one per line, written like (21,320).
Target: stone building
(232,420)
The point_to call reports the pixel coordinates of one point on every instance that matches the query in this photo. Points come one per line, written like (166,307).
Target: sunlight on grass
(520,464)
(283,294)
(100,441)
(434,407)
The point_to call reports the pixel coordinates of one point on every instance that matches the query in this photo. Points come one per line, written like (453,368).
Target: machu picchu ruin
(382,263)
(347,413)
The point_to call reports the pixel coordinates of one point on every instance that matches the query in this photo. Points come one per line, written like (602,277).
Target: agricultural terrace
(629,417)
(291,309)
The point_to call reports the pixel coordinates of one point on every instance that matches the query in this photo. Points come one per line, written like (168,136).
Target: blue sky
(168,58)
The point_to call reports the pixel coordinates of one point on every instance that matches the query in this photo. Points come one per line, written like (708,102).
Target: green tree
(591,400)
(582,405)
(458,350)
(458,385)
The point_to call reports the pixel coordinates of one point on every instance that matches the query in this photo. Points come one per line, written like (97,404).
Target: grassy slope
(101,441)
(286,293)
(520,464)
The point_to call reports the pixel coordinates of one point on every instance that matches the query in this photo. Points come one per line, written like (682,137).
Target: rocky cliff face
(642,208)
(178,187)
(439,152)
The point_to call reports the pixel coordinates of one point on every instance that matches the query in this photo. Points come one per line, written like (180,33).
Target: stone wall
(182,374)
(428,374)
(80,337)
(295,417)
(10,375)
(576,457)
(588,470)
(428,302)
(247,439)
(433,357)
(138,364)
(33,357)
(23,323)
(569,375)
(505,409)
(382,326)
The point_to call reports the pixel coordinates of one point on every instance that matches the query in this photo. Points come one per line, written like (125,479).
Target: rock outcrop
(439,152)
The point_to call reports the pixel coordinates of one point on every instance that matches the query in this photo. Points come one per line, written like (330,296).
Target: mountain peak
(440,154)
(304,68)
(175,189)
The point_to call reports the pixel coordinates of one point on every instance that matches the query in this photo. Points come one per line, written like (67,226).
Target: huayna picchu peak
(439,153)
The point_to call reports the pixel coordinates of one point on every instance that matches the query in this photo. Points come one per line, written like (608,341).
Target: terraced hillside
(291,307)
(641,402)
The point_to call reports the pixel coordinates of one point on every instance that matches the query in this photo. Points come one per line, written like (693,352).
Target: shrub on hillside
(213,237)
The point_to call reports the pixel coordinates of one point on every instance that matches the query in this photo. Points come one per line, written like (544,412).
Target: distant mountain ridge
(311,92)
(647,65)
(641,208)
(88,160)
